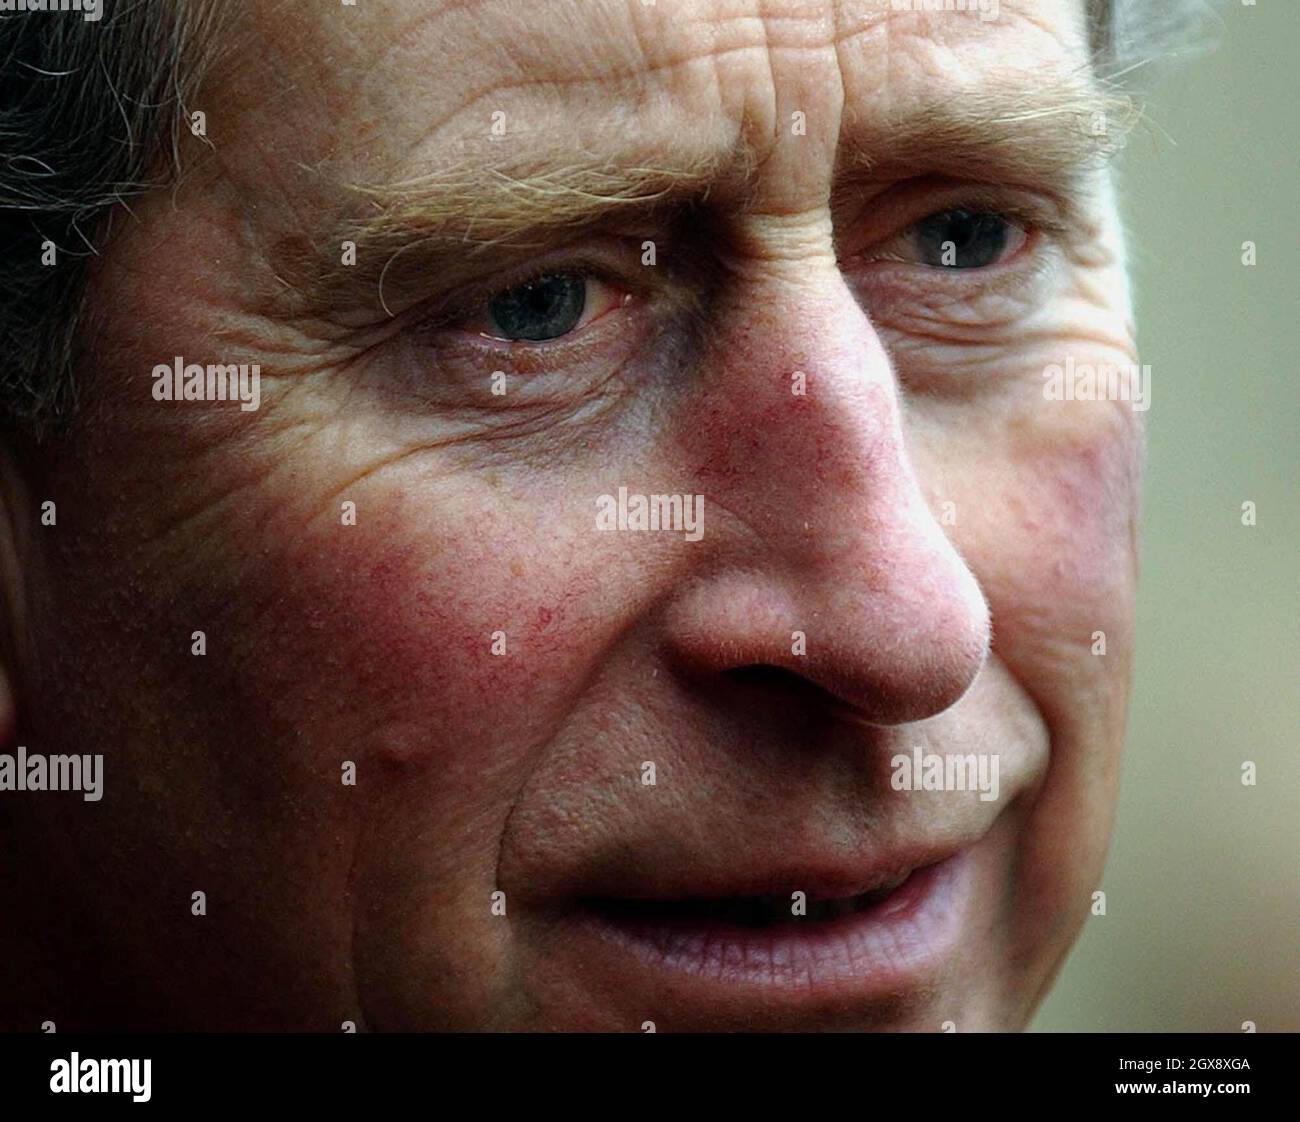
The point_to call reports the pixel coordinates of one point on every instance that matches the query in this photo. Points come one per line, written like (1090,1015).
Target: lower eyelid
(604,339)
(897,292)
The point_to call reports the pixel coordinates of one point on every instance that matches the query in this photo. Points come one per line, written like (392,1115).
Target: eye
(542,309)
(962,239)
(546,307)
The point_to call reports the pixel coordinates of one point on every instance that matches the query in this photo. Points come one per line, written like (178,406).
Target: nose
(827,561)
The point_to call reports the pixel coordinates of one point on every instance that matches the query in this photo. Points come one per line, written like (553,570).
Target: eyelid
(888,213)
(469,300)
(1029,236)
(1029,215)
(479,315)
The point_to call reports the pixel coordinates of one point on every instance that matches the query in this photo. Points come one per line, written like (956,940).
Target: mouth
(884,940)
(767,911)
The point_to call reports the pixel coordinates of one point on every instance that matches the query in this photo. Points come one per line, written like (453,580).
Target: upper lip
(818,880)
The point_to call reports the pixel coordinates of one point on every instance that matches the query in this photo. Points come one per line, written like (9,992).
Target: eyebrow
(445,223)
(1048,132)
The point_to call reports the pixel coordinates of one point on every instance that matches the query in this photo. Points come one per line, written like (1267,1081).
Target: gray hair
(1131,37)
(91,114)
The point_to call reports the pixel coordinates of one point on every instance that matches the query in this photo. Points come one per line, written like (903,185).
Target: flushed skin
(372,643)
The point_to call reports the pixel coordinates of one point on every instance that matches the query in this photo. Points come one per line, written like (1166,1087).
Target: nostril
(764,682)
(766,677)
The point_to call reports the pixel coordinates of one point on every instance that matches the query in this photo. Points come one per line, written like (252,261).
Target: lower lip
(892,947)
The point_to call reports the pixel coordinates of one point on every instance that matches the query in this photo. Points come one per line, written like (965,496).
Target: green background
(1202,930)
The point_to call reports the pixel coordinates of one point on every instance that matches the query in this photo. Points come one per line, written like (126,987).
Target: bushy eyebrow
(1047,130)
(443,223)
(427,231)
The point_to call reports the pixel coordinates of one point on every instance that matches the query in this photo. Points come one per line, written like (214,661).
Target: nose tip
(916,672)
(903,651)
(887,651)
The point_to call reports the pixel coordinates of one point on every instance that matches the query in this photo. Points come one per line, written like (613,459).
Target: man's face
(872,233)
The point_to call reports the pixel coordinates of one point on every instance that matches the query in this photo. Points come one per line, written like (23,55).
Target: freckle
(876,579)
(516,569)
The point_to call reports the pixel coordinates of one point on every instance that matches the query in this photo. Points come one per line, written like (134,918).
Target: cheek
(1046,508)
(1076,507)
(436,622)
(1056,541)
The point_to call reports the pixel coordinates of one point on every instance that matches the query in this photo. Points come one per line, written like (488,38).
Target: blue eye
(961,239)
(546,308)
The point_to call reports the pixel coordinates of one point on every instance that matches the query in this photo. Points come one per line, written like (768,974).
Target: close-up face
(465,742)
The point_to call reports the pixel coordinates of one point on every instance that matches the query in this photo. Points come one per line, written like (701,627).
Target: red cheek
(1086,505)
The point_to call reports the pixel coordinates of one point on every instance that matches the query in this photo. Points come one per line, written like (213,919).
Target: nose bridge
(800,391)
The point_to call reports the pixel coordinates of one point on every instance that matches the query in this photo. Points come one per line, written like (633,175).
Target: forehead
(413,87)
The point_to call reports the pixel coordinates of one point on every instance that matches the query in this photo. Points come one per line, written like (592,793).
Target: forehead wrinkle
(467,207)
(946,102)
(477,206)
(604,43)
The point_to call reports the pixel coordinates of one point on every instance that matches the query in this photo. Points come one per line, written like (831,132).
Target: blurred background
(1202,930)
